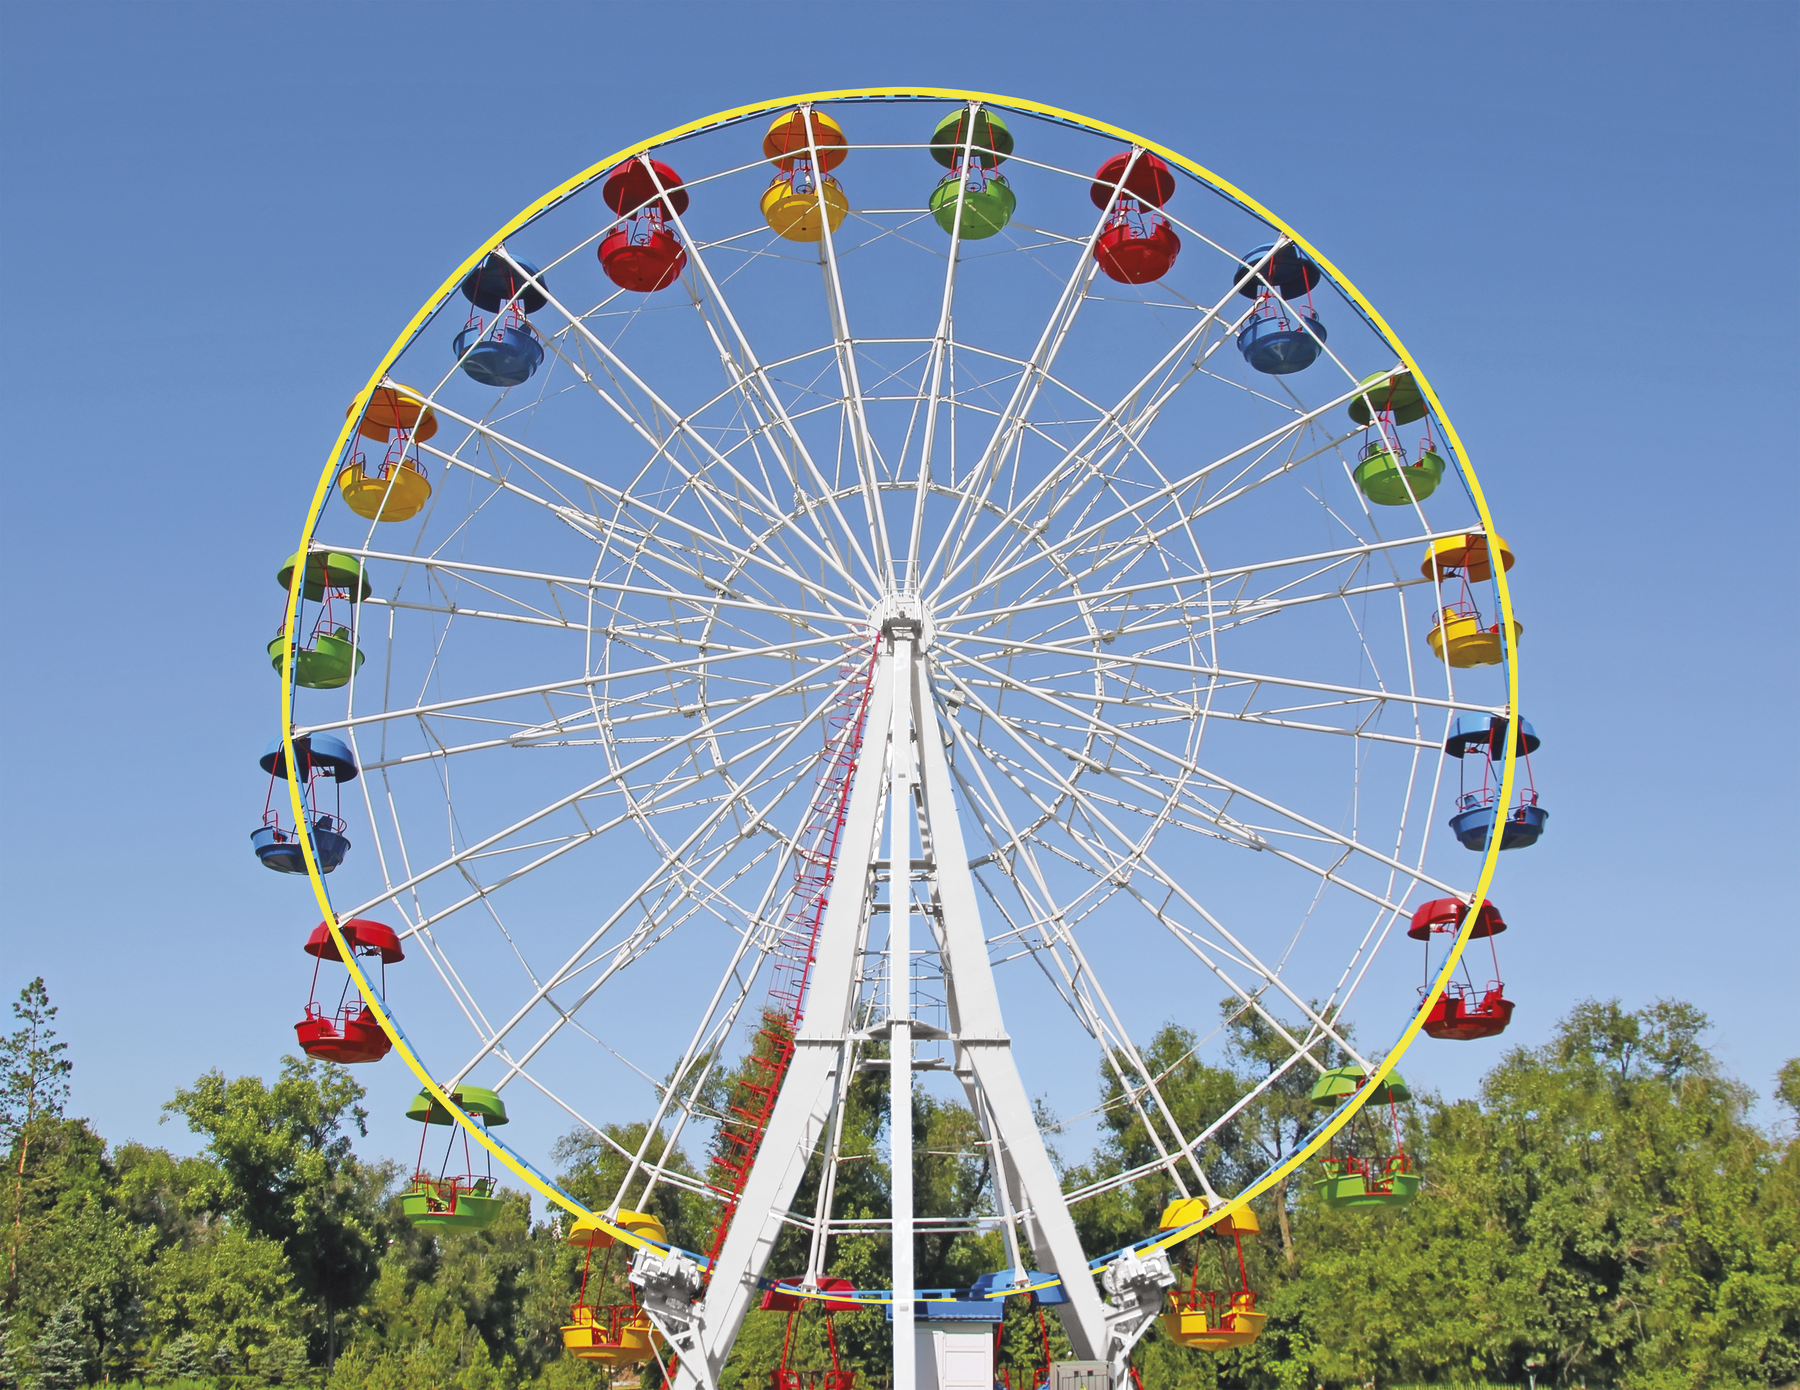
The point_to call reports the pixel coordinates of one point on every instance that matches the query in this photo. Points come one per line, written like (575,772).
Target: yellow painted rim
(1502,590)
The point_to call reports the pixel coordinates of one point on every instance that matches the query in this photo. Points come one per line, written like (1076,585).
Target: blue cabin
(320,755)
(278,847)
(1482,739)
(1279,338)
(505,355)
(1291,272)
(507,352)
(1278,342)
(280,850)
(1473,822)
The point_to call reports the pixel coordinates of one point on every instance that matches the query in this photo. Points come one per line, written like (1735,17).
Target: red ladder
(754,1093)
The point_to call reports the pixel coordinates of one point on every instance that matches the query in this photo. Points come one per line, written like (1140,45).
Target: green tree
(229,1290)
(283,1166)
(62,1352)
(34,1087)
(1787,1085)
(1276,1123)
(1136,1135)
(96,1260)
(181,1359)
(1604,1214)
(154,1188)
(9,1365)
(594,1168)
(508,1283)
(65,1168)
(281,1361)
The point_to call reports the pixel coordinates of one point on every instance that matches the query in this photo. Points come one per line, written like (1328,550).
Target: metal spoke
(1117,866)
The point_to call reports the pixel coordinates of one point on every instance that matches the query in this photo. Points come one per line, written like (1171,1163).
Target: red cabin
(777,1300)
(349,1033)
(642,253)
(1137,245)
(1464,1012)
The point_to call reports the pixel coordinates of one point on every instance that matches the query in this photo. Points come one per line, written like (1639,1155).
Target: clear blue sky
(1582,218)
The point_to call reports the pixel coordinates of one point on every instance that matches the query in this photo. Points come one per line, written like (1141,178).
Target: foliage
(181,1359)
(283,1168)
(62,1352)
(34,1087)
(1603,1213)
(9,1361)
(506,1285)
(231,1292)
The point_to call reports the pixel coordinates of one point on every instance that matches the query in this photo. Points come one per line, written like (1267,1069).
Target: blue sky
(1580,218)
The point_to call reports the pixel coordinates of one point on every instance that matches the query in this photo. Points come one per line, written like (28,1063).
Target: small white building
(955,1355)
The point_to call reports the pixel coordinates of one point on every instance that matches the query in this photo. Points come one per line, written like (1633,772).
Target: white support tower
(902,774)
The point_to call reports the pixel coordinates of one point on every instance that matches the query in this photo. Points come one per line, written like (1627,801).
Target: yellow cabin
(1205,1328)
(1470,643)
(395,494)
(791,207)
(1202,1318)
(1184,1211)
(589,1233)
(615,1336)
(618,1334)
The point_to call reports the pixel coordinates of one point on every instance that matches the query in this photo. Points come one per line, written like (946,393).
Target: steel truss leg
(983,1051)
(808,1093)
(983,1047)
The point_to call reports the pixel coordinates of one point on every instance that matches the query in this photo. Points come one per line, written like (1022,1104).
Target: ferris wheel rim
(520,1167)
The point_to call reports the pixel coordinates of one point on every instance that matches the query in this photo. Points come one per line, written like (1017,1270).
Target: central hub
(903,613)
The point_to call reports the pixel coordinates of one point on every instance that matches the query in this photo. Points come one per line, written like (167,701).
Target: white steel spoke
(978,483)
(660,447)
(1116,735)
(1118,867)
(771,398)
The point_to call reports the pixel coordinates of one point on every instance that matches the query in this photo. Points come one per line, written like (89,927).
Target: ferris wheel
(903,581)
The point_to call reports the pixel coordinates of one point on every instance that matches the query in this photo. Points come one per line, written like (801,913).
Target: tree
(9,1368)
(65,1169)
(1787,1085)
(1273,1125)
(284,1168)
(62,1352)
(1604,1214)
(1137,1135)
(281,1361)
(96,1260)
(509,1282)
(153,1188)
(181,1359)
(34,1086)
(229,1289)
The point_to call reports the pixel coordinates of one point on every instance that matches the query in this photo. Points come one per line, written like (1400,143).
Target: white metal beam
(820,1049)
(979,1031)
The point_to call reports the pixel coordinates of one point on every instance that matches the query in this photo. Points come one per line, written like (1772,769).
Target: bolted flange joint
(670,1282)
(1134,1285)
